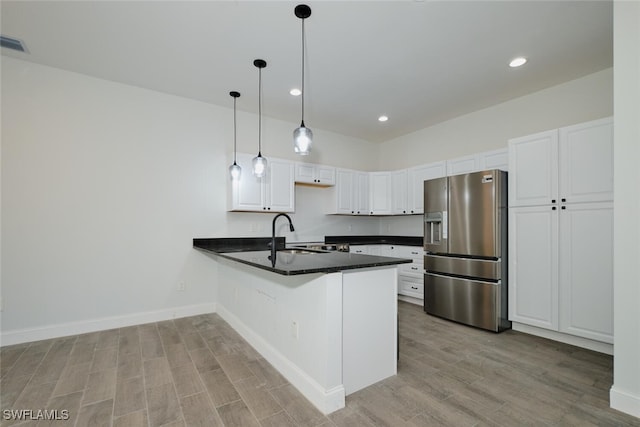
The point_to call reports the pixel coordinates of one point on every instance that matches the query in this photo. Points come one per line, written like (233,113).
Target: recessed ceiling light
(383,118)
(295,92)
(516,62)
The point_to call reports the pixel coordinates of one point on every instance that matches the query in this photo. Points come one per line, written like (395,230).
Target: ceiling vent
(11,43)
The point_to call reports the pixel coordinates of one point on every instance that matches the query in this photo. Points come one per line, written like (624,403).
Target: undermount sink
(300,251)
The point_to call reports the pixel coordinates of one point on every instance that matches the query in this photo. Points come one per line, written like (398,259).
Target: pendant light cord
(234,130)
(303,42)
(259,112)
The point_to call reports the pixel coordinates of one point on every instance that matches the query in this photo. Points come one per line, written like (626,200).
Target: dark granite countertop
(292,264)
(376,240)
(237,244)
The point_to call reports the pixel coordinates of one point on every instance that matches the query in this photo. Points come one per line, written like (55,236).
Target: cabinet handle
(564,200)
(411,211)
(553,200)
(352,212)
(414,287)
(264,208)
(414,268)
(414,253)
(564,207)
(269,209)
(553,208)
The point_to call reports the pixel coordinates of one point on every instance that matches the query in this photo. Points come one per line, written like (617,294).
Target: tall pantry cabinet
(561,230)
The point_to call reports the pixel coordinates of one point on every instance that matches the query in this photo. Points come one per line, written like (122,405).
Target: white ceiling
(419,62)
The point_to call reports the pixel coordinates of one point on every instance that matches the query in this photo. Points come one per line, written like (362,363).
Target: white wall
(625,393)
(579,100)
(105,185)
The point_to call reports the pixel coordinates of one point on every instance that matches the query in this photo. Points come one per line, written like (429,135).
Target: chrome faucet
(273,236)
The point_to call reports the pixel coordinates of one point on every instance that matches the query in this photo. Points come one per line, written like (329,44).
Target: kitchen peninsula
(327,321)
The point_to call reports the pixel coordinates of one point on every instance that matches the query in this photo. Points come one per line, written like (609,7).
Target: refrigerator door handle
(472,279)
(445,224)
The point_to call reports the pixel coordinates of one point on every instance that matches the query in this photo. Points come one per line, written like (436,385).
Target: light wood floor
(198,371)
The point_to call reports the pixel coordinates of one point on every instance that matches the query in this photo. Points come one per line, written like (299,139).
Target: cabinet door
(533,266)
(411,287)
(586,270)
(326,175)
(586,162)
(417,176)
(280,187)
(466,164)
(247,193)
(380,193)
(496,159)
(533,166)
(344,192)
(399,192)
(305,173)
(361,193)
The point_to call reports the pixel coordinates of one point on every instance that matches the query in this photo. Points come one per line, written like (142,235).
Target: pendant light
(259,162)
(234,170)
(302,136)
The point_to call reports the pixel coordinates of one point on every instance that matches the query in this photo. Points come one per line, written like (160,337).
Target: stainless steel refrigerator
(465,241)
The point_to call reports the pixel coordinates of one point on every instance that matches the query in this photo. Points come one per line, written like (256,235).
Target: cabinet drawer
(413,252)
(414,270)
(410,288)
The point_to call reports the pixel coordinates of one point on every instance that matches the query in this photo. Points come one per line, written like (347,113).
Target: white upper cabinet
(496,159)
(573,164)
(487,160)
(350,196)
(586,162)
(361,193)
(380,193)
(307,173)
(533,162)
(279,186)
(416,177)
(399,192)
(272,193)
(466,164)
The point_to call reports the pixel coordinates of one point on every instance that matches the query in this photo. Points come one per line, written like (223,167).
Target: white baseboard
(624,401)
(326,401)
(598,346)
(93,325)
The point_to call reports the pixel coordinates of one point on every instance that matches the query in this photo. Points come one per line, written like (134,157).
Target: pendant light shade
(259,162)
(302,136)
(234,170)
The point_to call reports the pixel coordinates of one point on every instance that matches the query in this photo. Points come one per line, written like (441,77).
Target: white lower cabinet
(410,276)
(533,266)
(561,268)
(586,271)
(411,287)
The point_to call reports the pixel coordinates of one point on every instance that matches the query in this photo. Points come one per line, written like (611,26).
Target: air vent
(11,43)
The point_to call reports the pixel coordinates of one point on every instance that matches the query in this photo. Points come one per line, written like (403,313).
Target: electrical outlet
(294,329)
(181,286)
